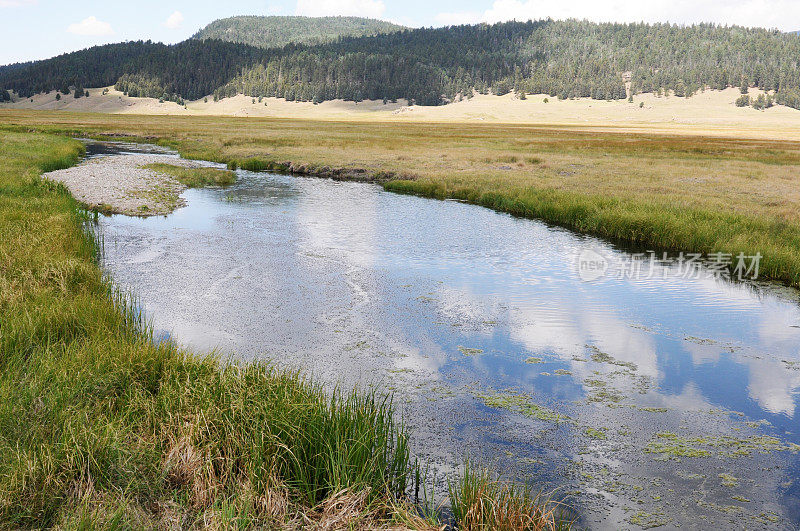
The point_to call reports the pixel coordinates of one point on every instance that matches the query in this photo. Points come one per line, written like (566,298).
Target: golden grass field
(686,192)
(706,113)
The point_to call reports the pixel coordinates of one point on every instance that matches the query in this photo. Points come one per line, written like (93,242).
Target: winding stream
(654,400)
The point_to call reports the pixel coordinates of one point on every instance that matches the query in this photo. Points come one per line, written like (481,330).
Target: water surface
(646,401)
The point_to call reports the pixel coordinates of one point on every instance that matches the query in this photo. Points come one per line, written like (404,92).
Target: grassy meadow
(103,428)
(668,192)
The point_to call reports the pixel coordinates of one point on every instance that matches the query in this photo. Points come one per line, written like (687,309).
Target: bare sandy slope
(710,112)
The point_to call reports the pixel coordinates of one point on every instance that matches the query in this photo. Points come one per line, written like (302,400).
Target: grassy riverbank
(100,427)
(669,192)
(195,177)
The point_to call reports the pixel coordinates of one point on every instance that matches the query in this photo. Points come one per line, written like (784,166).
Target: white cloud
(17,3)
(92,27)
(782,14)
(459,17)
(321,8)
(174,20)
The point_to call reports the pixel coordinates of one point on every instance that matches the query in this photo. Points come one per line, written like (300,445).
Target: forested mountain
(435,65)
(190,69)
(275,32)
(565,59)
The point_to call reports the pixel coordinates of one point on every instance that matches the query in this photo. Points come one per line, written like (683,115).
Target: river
(647,399)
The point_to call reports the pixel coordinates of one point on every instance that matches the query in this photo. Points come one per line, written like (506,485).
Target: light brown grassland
(670,192)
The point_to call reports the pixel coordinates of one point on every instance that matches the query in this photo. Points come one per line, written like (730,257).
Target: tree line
(431,66)
(277,31)
(191,68)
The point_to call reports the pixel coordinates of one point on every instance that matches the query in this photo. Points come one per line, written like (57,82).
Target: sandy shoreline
(117,184)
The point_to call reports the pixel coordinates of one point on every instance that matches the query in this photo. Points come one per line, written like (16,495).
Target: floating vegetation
(700,341)
(727,509)
(673,446)
(563,372)
(770,517)
(642,384)
(600,392)
(649,520)
(728,480)
(596,434)
(599,356)
(521,403)
(793,365)
(534,360)
(470,351)
(689,475)
(361,345)
(442,391)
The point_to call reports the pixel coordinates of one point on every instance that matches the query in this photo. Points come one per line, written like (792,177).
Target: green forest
(275,32)
(434,66)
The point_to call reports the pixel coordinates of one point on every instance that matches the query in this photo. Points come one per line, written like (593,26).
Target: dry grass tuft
(480,503)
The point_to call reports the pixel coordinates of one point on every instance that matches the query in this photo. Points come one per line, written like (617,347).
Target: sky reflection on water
(447,303)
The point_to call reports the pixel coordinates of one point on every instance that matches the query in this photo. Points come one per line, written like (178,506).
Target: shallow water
(645,401)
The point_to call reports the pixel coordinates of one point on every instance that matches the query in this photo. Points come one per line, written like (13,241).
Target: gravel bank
(118,184)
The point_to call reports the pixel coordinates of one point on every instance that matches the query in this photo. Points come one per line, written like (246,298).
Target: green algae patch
(534,361)
(563,372)
(470,351)
(671,446)
(601,393)
(700,340)
(728,480)
(522,404)
(746,446)
(598,356)
(727,509)
(649,520)
(593,433)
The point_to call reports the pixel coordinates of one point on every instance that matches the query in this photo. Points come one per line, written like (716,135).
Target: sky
(37,29)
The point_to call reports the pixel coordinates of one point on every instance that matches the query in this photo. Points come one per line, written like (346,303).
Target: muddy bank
(120,185)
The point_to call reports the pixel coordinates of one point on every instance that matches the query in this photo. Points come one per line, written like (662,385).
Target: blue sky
(36,29)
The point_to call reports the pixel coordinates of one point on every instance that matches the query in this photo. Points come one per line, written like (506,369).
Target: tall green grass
(195,177)
(101,426)
(480,502)
(639,222)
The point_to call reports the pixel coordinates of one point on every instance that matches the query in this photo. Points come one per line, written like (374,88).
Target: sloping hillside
(190,69)
(431,66)
(275,32)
